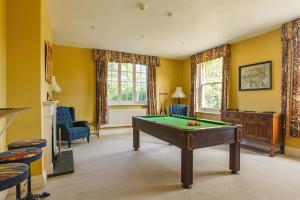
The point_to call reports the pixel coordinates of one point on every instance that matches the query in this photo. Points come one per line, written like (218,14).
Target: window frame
(200,90)
(134,92)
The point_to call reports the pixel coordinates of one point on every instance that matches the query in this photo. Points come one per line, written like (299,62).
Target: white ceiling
(196,25)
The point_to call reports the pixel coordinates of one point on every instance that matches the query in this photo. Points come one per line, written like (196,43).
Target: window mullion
(119,82)
(134,98)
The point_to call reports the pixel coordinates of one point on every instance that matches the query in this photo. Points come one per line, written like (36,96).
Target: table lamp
(179,94)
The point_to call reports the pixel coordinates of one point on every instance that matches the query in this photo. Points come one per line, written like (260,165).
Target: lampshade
(54,85)
(178,93)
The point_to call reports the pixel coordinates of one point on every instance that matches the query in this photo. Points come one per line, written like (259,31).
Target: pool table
(175,131)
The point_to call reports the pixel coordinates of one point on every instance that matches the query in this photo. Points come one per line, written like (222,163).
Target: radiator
(122,117)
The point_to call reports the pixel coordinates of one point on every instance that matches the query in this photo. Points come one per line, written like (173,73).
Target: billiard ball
(193,123)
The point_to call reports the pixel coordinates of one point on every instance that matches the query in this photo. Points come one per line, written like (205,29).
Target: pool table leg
(136,139)
(234,165)
(187,168)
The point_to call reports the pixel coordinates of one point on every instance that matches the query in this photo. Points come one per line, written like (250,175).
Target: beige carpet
(107,168)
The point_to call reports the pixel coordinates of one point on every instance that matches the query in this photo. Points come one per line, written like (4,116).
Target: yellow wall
(27,28)
(46,35)
(261,48)
(2,69)
(75,73)
(186,80)
(292,142)
(75,70)
(168,77)
(258,49)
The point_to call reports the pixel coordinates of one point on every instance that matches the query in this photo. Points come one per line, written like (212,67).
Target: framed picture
(48,62)
(256,76)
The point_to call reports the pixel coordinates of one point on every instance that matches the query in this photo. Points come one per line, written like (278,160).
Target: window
(127,83)
(210,85)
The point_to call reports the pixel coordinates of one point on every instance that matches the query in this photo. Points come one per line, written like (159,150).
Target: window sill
(208,112)
(126,104)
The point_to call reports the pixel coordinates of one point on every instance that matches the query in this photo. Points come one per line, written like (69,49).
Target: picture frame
(257,76)
(48,62)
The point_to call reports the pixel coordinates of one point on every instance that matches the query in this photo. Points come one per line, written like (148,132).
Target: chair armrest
(63,126)
(80,124)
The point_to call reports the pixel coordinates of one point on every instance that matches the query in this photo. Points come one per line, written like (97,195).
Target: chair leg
(88,139)
(18,192)
(69,143)
(29,195)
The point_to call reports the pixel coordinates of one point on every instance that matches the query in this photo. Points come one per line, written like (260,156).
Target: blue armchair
(70,128)
(179,109)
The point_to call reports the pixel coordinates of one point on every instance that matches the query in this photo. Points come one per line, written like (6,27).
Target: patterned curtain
(218,52)
(102,57)
(151,91)
(101,87)
(193,102)
(290,92)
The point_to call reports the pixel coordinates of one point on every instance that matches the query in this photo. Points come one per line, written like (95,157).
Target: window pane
(211,71)
(126,91)
(141,68)
(141,91)
(138,77)
(126,67)
(130,76)
(211,96)
(143,77)
(126,82)
(126,76)
(138,68)
(206,99)
(112,91)
(112,66)
(112,76)
(144,68)
(217,95)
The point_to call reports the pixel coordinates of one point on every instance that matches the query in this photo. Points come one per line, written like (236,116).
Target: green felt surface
(181,122)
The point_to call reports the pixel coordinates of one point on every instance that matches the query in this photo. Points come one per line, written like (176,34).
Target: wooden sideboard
(260,132)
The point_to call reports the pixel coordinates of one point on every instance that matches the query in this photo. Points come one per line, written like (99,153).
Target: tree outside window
(210,85)
(127,83)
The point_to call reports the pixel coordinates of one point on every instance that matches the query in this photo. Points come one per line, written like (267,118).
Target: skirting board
(3,194)
(37,182)
(117,130)
(295,152)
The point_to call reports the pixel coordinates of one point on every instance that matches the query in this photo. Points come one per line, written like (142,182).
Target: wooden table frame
(188,140)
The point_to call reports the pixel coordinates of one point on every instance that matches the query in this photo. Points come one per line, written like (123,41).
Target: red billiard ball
(193,123)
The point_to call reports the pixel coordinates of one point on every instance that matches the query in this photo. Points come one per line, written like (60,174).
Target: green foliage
(211,84)
(126,82)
